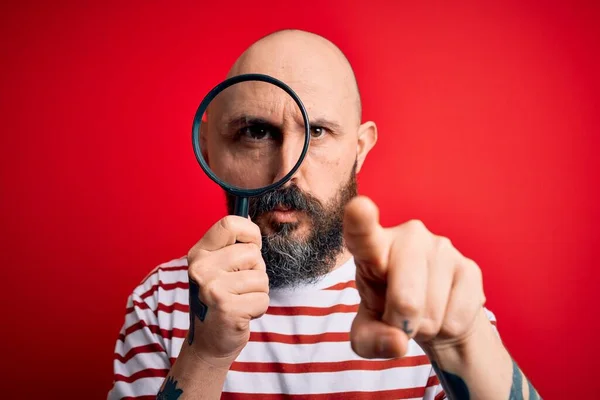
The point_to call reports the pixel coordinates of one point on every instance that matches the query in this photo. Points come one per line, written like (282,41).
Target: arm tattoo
(169,391)
(516,391)
(454,386)
(197,309)
(533,394)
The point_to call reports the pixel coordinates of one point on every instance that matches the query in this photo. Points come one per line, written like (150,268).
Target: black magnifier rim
(234,190)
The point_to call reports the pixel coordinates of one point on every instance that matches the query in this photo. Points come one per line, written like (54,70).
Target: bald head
(310,64)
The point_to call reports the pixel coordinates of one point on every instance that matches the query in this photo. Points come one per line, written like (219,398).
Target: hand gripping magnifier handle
(241,201)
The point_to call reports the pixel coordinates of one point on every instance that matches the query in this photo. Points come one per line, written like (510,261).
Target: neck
(342,258)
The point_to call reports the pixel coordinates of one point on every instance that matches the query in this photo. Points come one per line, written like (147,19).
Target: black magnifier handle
(240,206)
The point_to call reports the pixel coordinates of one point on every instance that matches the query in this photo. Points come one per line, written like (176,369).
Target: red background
(489,131)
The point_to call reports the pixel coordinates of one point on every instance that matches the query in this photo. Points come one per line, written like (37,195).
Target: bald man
(311,297)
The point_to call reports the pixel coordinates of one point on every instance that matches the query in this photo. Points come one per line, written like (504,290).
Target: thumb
(372,338)
(365,238)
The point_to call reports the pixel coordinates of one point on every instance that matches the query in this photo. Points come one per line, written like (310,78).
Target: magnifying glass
(250,135)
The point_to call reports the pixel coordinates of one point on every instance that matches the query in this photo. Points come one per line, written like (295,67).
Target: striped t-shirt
(299,349)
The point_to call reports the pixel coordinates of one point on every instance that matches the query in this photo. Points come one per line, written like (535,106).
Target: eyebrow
(244,120)
(325,123)
(255,120)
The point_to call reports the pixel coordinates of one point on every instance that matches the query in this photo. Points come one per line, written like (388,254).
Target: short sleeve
(140,360)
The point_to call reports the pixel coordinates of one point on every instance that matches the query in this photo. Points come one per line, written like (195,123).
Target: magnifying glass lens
(252,134)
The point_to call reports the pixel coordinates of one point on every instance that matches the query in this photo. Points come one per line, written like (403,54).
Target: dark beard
(290,261)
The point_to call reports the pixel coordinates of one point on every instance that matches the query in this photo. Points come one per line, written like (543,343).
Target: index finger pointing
(366,239)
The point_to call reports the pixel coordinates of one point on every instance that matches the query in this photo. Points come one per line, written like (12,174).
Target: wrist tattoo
(197,309)
(169,390)
(454,386)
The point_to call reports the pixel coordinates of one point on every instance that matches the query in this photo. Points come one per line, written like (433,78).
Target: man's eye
(317,132)
(257,132)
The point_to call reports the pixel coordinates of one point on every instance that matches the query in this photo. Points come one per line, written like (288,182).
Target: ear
(367,137)
(203,139)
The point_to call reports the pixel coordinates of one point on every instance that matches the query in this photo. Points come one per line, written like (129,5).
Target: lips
(283,214)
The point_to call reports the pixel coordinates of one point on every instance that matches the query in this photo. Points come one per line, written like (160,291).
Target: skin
(413,283)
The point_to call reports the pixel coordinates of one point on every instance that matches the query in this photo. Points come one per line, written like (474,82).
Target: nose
(289,154)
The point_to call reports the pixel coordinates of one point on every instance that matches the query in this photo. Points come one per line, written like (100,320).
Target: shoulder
(149,339)
(168,275)
(165,285)
(159,304)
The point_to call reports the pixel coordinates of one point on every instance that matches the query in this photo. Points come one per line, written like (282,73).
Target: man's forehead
(260,97)
(312,66)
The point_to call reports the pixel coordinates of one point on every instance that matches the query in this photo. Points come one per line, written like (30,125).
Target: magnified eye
(258,132)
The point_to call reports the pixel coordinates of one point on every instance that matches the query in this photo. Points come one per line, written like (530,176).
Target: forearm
(193,378)
(480,368)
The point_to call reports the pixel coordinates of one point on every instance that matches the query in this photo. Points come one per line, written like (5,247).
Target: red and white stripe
(300,348)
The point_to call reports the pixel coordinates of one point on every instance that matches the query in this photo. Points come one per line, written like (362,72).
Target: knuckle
(256,259)
(225,308)
(408,305)
(191,256)
(197,272)
(214,292)
(472,269)
(416,226)
(252,249)
(243,250)
(479,276)
(260,263)
(235,224)
(240,325)
(453,327)
(195,257)
(264,300)
(429,327)
(256,231)
(264,282)
(443,243)
(435,315)
(228,223)
(250,254)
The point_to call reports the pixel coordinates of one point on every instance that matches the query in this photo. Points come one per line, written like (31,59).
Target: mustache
(291,197)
